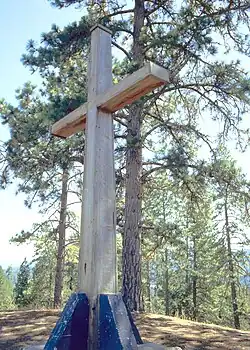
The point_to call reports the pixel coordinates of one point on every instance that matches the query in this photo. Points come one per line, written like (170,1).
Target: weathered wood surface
(72,123)
(97,267)
(125,92)
(133,87)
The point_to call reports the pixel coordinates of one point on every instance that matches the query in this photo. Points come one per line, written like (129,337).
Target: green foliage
(184,38)
(71,269)
(6,291)
(11,274)
(187,270)
(42,280)
(22,288)
(185,265)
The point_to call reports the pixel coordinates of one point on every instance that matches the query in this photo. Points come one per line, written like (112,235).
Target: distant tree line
(182,200)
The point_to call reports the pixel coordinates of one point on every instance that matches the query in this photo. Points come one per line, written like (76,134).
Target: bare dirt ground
(20,328)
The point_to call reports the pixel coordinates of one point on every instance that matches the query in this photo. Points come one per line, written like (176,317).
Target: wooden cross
(97,265)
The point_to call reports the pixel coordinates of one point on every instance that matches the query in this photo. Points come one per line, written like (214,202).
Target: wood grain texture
(97,263)
(72,123)
(127,91)
(131,88)
(97,267)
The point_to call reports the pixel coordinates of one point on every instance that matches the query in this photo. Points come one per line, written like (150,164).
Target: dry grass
(19,328)
(190,335)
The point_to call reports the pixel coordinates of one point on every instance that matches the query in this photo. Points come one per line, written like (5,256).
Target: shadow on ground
(20,328)
(190,335)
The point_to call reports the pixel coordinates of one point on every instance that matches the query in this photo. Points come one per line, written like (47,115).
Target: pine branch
(120,12)
(122,49)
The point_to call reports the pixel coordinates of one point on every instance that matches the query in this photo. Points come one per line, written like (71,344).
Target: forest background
(182,214)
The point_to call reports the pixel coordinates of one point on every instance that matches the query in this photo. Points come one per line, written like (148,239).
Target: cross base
(115,327)
(71,330)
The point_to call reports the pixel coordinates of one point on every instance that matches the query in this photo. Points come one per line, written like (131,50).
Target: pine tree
(6,292)
(180,37)
(48,164)
(231,206)
(42,283)
(11,275)
(21,291)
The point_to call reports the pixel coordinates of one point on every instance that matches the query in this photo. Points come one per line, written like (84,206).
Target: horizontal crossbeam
(119,95)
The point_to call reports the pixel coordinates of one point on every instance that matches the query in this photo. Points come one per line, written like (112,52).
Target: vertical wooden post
(97,265)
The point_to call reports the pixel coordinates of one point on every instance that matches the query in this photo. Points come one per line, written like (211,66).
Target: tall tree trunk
(131,257)
(187,266)
(167,299)
(186,296)
(194,280)
(61,242)
(236,317)
(148,288)
(50,302)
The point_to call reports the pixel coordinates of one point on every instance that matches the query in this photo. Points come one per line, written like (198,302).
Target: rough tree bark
(61,242)
(167,296)
(194,280)
(166,260)
(131,261)
(185,307)
(148,287)
(234,298)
